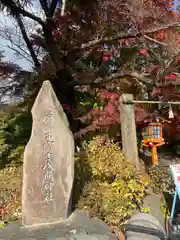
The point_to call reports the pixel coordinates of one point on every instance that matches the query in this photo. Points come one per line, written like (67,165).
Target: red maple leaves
(143,52)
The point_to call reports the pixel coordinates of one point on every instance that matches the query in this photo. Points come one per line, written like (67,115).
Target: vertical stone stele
(48,167)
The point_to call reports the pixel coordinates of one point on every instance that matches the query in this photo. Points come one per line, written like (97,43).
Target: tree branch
(15,10)
(21,54)
(171,61)
(52,7)
(155,41)
(119,37)
(30,15)
(63,7)
(105,40)
(92,80)
(28,43)
(44,6)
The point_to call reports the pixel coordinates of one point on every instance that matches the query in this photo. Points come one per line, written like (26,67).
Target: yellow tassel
(171,115)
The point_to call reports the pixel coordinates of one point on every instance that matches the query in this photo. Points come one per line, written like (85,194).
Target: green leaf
(95,105)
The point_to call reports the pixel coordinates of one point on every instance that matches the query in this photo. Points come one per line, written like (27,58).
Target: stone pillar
(48,167)
(128,129)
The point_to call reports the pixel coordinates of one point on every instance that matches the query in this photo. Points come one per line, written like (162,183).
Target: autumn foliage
(109,48)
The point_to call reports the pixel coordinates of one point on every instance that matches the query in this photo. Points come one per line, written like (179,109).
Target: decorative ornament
(171,115)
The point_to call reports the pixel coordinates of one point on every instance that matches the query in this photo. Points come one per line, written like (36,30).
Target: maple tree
(111,46)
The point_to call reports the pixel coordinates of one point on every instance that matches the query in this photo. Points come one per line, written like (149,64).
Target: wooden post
(128,129)
(154,156)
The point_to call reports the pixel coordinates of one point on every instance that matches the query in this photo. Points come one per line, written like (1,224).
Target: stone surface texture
(144,220)
(77,227)
(48,170)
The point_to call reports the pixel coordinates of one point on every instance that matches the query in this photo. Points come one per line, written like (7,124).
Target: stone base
(77,227)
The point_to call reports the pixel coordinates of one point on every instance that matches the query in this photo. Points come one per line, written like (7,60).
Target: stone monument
(48,170)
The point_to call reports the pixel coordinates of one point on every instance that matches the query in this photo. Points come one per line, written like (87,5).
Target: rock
(77,227)
(48,170)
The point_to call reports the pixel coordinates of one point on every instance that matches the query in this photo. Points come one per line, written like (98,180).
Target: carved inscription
(48,168)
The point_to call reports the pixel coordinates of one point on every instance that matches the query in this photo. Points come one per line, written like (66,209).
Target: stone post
(48,167)
(128,129)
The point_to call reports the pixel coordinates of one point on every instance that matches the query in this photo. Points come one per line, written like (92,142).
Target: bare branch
(31,16)
(16,46)
(171,61)
(15,10)
(169,64)
(155,41)
(44,5)
(25,55)
(28,43)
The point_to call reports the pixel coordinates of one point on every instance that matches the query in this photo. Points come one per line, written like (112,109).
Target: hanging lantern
(171,115)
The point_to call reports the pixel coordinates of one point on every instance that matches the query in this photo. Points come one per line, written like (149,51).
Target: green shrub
(15,130)
(115,189)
